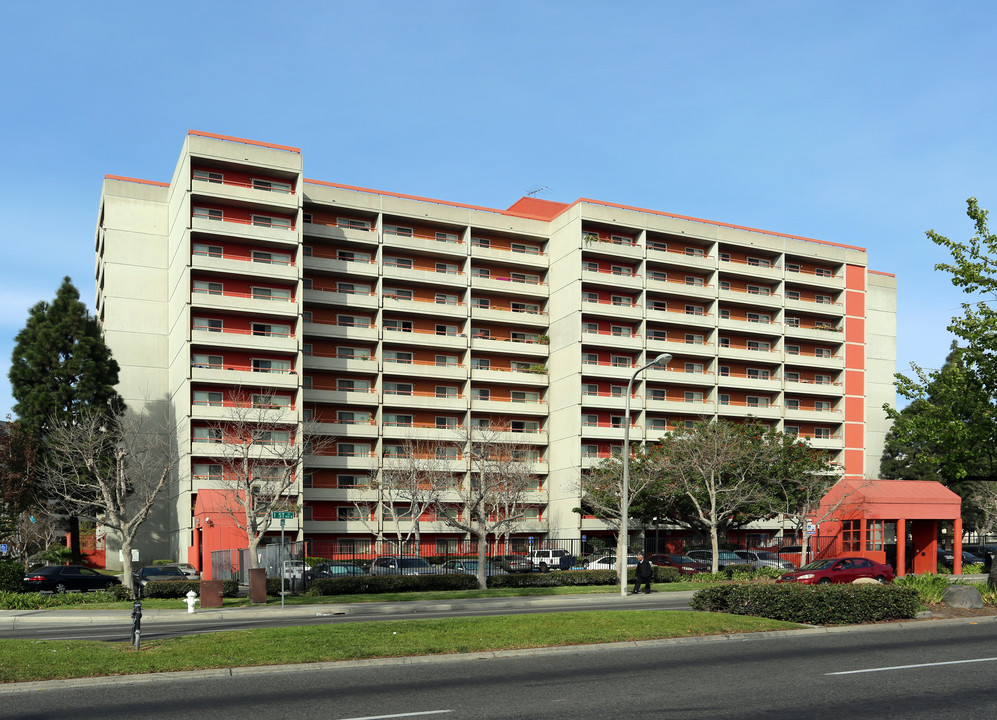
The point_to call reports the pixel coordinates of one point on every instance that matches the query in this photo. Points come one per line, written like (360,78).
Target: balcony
(830,335)
(365,301)
(677,257)
(424,243)
(810,387)
(812,360)
(243,229)
(365,463)
(605,246)
(756,327)
(680,376)
(245,194)
(812,307)
(633,312)
(331,394)
(336,363)
(749,353)
(809,277)
(511,377)
(426,338)
(632,282)
(424,401)
(681,316)
(331,231)
(245,340)
(510,317)
(609,400)
(680,288)
(742,409)
(505,408)
(686,407)
(754,299)
(608,369)
(532,260)
(405,273)
(241,411)
(420,306)
(329,263)
(679,346)
(509,286)
(367,333)
(254,303)
(811,415)
(607,338)
(752,271)
(348,431)
(239,264)
(426,369)
(242,375)
(749,382)
(505,345)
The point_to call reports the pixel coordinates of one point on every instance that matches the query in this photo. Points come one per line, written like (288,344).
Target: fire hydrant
(191,600)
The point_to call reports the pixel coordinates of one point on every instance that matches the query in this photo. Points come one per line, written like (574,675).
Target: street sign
(283,515)
(811,529)
(4,548)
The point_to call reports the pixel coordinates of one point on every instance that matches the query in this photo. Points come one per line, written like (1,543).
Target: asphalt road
(912,671)
(115,625)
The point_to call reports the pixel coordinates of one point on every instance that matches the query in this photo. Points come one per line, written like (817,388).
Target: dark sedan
(152,573)
(63,578)
(333,569)
(838,570)
(513,563)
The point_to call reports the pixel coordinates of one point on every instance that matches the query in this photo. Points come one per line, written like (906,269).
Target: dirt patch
(941,611)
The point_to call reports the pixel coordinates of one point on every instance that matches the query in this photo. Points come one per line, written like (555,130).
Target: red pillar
(957,547)
(901,547)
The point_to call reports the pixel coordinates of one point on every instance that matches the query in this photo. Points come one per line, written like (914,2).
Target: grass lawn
(24,660)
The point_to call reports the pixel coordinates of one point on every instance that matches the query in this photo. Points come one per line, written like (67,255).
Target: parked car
(683,563)
(947,558)
(513,563)
(608,562)
(761,558)
(341,568)
(724,558)
(838,570)
(987,552)
(188,570)
(152,573)
(470,567)
(293,569)
(544,560)
(402,565)
(63,578)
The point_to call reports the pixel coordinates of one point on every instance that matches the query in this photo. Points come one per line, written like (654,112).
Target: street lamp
(621,543)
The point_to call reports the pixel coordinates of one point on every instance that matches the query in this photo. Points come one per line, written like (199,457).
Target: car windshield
(412,563)
(766,556)
(820,564)
(686,559)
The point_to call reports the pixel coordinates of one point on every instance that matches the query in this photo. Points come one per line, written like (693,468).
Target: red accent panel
(854,463)
(854,412)
(855,382)
(855,356)
(855,331)
(855,303)
(536,207)
(855,277)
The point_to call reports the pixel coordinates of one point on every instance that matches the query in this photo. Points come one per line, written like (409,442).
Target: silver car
(762,558)
(402,565)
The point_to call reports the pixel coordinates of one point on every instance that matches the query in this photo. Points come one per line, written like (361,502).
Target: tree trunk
(992,577)
(715,545)
(482,559)
(74,540)
(126,565)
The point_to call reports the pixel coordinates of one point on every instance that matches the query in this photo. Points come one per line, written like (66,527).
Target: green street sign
(283,515)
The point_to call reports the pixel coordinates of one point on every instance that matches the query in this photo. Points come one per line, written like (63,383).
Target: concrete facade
(385,318)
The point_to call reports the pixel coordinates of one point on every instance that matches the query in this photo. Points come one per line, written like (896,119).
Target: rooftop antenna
(537,191)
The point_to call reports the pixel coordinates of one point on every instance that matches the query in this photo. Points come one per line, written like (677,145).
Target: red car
(683,563)
(838,570)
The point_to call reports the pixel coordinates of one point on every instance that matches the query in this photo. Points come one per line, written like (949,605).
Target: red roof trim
(136,180)
(244,141)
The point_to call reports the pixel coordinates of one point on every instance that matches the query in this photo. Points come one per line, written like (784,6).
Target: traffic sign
(283,515)
(4,548)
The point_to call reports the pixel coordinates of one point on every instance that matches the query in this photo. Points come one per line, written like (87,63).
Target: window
(590,236)
(349,288)
(215,251)
(822,433)
(208,324)
(822,352)
(481,242)
(590,420)
(725,257)
(590,359)
(270,221)
(621,240)
(660,424)
(693,367)
(262,293)
(207,435)
(756,401)
(353,449)
(693,396)
(695,252)
(443,422)
(446,391)
(822,379)
(590,297)
(446,361)
(657,245)
(353,224)
(792,376)
(590,389)
(657,394)
(306,316)
(481,394)
(621,270)
(792,321)
(761,345)
(446,299)
(621,330)
(654,334)
(270,330)
(724,342)
(792,403)
(450,330)
(792,349)
(822,406)
(694,310)
(345,512)
(694,280)
(590,450)
(481,364)
(344,417)
(399,262)
(271,185)
(523,396)
(208,213)
(823,272)
(524,337)
(524,426)
(209,176)
(480,273)
(449,268)
(791,430)
(307,283)
(398,356)
(658,275)
(352,352)
(620,361)
(446,237)
(204,397)
(399,293)
(823,325)
(395,420)
(206,361)
(793,267)
(850,535)
(523,248)
(758,317)
(759,290)
(271,258)
(209,288)
(825,299)
(348,385)
(206,471)
(397,325)
(307,250)
(623,300)
(590,266)
(618,390)
(397,388)
(758,374)
(268,366)
(521,307)
(399,230)
(724,371)
(724,399)
(725,313)
(759,262)
(792,294)
(447,452)
(352,256)
(274,437)
(524,278)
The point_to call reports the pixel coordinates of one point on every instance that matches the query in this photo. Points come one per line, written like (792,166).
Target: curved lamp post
(621,543)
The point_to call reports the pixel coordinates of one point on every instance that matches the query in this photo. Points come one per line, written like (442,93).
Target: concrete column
(957,547)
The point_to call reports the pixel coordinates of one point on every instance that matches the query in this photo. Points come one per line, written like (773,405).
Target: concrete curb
(380,663)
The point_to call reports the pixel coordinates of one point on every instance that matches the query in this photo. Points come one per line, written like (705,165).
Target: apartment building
(394,323)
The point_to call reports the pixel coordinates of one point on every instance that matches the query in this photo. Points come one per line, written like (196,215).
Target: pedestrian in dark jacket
(643,574)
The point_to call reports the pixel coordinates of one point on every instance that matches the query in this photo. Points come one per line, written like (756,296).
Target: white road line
(908,667)
(399,715)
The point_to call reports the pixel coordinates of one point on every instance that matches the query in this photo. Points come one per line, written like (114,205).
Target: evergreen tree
(61,366)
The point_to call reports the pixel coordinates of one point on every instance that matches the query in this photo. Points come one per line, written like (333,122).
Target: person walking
(643,574)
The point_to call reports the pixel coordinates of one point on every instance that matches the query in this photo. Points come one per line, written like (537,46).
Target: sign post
(283,515)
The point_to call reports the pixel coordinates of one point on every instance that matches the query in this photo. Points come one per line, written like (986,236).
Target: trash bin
(211,593)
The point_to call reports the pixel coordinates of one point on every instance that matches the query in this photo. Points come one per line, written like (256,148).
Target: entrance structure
(876,518)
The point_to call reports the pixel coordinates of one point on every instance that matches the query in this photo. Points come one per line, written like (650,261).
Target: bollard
(136,622)
(191,600)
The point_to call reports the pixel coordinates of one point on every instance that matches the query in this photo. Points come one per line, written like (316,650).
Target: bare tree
(981,496)
(261,450)
(492,496)
(34,532)
(407,485)
(110,469)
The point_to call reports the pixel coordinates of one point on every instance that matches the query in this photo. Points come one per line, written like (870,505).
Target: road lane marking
(399,715)
(908,667)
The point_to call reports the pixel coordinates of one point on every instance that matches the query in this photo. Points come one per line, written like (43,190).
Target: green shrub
(180,588)
(811,604)
(361,584)
(11,576)
(167,561)
(38,601)
(930,588)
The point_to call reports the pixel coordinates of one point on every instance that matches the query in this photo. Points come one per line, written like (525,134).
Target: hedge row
(360,584)
(38,601)
(811,604)
(180,588)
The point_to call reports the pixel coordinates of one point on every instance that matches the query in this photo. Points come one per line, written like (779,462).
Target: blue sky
(853,122)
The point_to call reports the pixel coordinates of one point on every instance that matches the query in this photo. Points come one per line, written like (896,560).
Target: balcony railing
(230,331)
(241,368)
(245,296)
(241,221)
(249,185)
(241,258)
